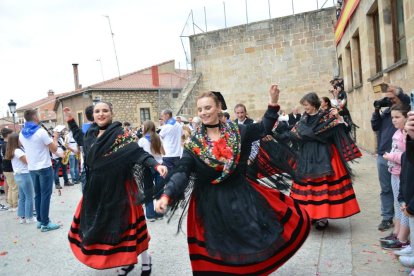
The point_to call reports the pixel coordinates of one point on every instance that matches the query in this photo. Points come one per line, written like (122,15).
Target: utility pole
(113,42)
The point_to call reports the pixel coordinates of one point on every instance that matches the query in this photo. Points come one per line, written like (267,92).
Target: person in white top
(37,144)
(16,154)
(171,133)
(73,158)
(152,143)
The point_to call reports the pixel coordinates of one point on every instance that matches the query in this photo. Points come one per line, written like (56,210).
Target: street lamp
(12,107)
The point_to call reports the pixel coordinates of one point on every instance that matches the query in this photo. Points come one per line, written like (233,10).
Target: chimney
(76,75)
(50,93)
(155,76)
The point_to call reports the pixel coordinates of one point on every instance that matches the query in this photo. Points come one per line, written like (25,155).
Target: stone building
(44,108)
(135,97)
(297,52)
(7,122)
(375,45)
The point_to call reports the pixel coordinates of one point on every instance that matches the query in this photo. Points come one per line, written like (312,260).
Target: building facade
(135,97)
(377,46)
(297,52)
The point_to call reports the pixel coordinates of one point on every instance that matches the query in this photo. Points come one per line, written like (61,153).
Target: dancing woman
(235,225)
(323,184)
(109,228)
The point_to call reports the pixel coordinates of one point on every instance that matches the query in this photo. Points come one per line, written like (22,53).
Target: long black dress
(109,228)
(235,225)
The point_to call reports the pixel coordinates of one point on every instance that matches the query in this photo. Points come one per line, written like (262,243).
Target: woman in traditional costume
(235,225)
(109,228)
(323,184)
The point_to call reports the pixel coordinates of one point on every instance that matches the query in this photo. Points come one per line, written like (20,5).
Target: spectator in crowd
(59,163)
(2,182)
(10,186)
(170,134)
(186,134)
(294,116)
(195,123)
(241,113)
(409,127)
(74,157)
(326,104)
(89,118)
(152,143)
(406,196)
(399,237)
(78,137)
(382,124)
(16,154)
(283,118)
(190,123)
(37,145)
(127,127)
(179,120)
(338,9)
(227,116)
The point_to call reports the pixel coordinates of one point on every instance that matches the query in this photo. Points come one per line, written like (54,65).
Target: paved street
(348,247)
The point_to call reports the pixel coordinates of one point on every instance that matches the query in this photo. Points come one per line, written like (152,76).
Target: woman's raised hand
(274,94)
(68,113)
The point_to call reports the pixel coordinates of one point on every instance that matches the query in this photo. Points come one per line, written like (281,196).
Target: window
(399,41)
(377,41)
(357,58)
(349,69)
(80,119)
(145,114)
(340,69)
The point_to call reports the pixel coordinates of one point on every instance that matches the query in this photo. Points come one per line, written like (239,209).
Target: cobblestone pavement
(348,247)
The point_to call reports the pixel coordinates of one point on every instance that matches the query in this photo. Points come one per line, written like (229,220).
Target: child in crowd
(406,196)
(398,239)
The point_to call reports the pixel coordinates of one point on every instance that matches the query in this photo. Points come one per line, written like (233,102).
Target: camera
(384,102)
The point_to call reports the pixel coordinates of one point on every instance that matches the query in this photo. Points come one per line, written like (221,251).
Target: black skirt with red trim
(331,196)
(289,214)
(103,256)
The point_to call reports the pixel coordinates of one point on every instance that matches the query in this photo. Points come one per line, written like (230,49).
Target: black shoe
(321,224)
(68,184)
(147,272)
(58,186)
(385,225)
(126,270)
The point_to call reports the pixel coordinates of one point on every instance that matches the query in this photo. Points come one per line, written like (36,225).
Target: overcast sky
(41,39)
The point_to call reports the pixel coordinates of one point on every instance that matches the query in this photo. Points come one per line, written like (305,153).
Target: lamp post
(12,107)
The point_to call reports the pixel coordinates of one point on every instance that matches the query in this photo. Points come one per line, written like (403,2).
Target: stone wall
(297,52)
(126,105)
(77,104)
(361,95)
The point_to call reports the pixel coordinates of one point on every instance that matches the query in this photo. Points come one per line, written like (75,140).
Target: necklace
(212,126)
(103,127)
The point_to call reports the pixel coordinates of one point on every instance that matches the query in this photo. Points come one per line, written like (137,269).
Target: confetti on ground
(4,253)
(369,251)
